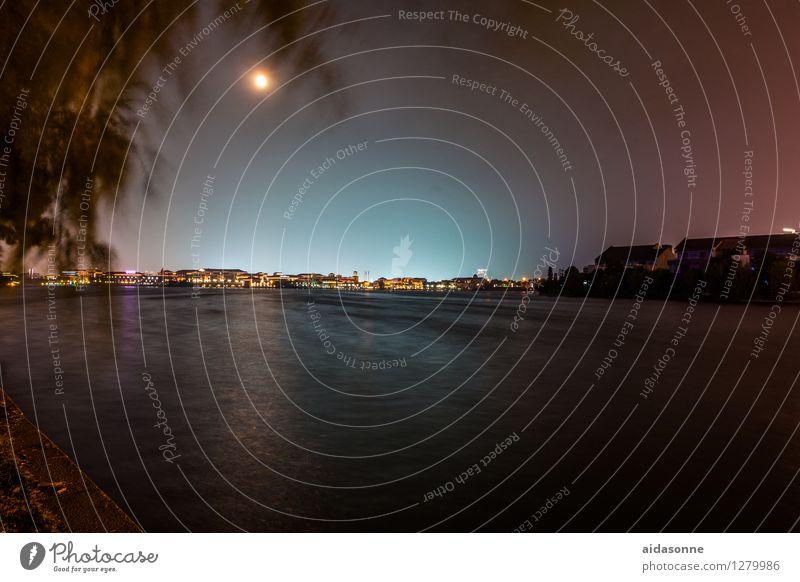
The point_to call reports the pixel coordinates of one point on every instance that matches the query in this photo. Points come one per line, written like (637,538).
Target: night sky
(473,177)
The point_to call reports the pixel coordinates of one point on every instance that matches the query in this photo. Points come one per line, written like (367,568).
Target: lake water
(288,411)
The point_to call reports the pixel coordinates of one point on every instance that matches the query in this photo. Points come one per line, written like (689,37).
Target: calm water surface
(278,411)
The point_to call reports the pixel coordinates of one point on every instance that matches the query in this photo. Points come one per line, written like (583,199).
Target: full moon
(261,81)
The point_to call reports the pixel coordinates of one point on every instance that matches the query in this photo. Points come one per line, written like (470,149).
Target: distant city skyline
(785,242)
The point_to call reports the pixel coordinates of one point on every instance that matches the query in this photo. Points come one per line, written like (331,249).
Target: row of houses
(231,279)
(203,277)
(690,253)
(696,253)
(238,278)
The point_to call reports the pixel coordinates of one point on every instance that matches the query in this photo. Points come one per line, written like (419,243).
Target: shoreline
(41,487)
(510,292)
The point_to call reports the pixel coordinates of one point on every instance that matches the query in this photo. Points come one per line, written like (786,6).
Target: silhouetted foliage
(76,120)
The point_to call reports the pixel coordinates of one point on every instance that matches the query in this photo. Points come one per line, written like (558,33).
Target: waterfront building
(651,257)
